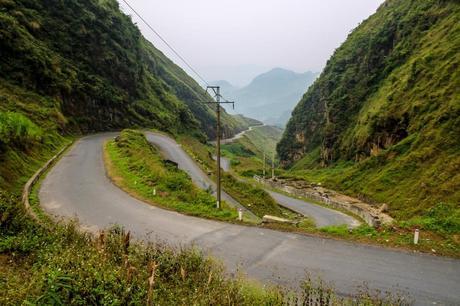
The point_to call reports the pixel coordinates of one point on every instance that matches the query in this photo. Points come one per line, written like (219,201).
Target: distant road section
(78,187)
(237,136)
(321,215)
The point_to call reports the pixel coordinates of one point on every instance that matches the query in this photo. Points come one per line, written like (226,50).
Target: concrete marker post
(240,214)
(416,236)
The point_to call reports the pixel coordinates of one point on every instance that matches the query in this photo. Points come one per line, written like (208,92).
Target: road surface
(237,136)
(78,187)
(321,215)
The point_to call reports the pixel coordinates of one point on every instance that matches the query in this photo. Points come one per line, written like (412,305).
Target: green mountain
(383,119)
(72,67)
(270,95)
(95,70)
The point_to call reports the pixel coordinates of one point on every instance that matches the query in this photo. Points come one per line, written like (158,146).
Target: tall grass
(18,130)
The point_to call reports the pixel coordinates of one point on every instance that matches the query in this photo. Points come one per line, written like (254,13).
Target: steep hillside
(91,62)
(383,119)
(270,95)
(80,66)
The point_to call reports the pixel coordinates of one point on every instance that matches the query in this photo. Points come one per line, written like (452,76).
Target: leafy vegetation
(18,130)
(137,167)
(382,121)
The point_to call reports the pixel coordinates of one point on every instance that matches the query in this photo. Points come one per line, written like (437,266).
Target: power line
(217,97)
(166,43)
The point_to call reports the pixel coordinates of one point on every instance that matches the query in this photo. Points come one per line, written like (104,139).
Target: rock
(273,219)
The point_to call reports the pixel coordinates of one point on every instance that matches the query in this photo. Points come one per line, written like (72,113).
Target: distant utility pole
(264,165)
(273,166)
(218,102)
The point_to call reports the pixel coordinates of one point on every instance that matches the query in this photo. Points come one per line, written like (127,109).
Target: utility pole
(273,166)
(218,102)
(264,165)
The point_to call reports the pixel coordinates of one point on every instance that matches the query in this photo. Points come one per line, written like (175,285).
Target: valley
(336,187)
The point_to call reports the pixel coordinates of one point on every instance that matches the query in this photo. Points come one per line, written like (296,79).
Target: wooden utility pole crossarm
(218,102)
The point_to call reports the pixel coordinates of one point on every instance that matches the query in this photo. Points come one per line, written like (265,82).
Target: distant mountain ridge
(271,96)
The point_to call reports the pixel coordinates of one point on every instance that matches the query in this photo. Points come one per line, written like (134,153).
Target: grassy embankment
(138,168)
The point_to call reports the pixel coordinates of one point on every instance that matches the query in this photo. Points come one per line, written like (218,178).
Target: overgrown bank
(137,167)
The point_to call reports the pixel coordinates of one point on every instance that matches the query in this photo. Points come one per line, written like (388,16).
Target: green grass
(18,129)
(253,198)
(137,166)
(262,139)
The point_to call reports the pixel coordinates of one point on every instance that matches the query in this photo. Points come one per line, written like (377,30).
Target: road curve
(171,150)
(322,216)
(78,187)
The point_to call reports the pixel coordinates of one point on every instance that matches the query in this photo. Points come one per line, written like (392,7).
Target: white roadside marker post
(240,214)
(154,191)
(416,235)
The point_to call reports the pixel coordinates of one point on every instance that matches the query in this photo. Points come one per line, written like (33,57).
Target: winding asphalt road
(322,216)
(78,187)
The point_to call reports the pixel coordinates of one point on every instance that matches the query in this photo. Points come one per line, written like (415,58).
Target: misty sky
(235,40)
